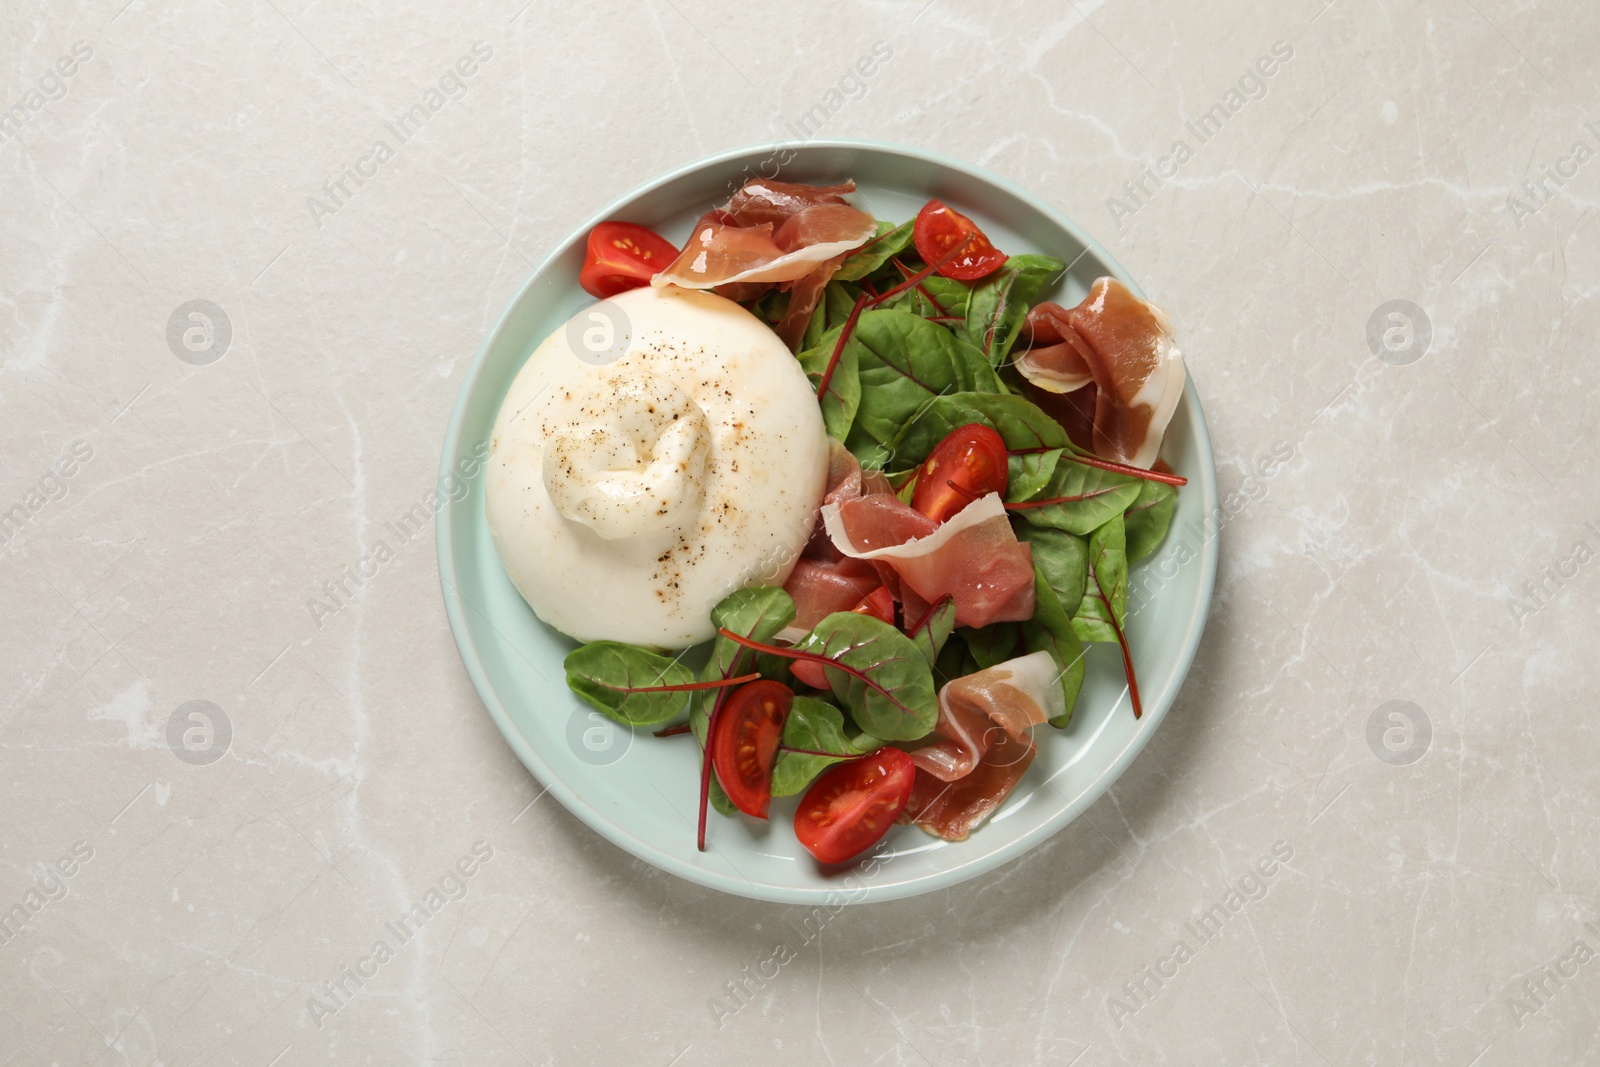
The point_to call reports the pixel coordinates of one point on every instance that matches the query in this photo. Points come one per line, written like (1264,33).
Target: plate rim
(588,813)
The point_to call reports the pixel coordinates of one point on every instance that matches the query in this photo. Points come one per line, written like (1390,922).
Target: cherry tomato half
(879,604)
(622,256)
(744,743)
(851,805)
(810,672)
(970,462)
(938,228)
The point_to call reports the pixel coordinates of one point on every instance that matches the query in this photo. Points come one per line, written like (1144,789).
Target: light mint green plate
(641,791)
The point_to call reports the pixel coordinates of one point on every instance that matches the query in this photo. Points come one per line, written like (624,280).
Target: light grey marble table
(1409,521)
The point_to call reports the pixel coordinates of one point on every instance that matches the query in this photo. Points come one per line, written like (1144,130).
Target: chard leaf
(1061,561)
(1147,519)
(877,673)
(600,670)
(891,241)
(718,797)
(1000,303)
(903,363)
(1067,651)
(843,398)
(933,631)
(1106,593)
(952,661)
(1060,566)
(838,300)
(758,612)
(991,644)
(816,326)
(1030,474)
(1101,495)
(937,297)
(814,738)
(1018,421)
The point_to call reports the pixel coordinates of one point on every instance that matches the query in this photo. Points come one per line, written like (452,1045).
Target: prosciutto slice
(981,746)
(846,481)
(765,200)
(820,588)
(974,556)
(1122,346)
(769,232)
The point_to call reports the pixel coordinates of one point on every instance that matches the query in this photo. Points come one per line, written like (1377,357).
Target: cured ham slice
(974,556)
(846,481)
(981,746)
(975,711)
(804,294)
(820,588)
(1074,411)
(1123,347)
(765,200)
(730,247)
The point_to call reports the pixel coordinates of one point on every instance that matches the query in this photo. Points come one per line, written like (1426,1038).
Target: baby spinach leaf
(952,661)
(1067,651)
(1000,302)
(891,241)
(1107,587)
(814,738)
(718,797)
(1030,474)
(600,672)
(1018,421)
(991,644)
(935,297)
(1088,497)
(878,673)
(903,363)
(1147,519)
(758,612)
(1061,561)
(934,630)
(839,299)
(843,398)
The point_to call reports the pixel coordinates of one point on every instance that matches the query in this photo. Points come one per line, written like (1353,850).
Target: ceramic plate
(640,791)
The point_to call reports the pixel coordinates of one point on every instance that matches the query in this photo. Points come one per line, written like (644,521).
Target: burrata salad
(839,498)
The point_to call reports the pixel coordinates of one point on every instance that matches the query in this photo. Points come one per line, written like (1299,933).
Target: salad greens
(897,368)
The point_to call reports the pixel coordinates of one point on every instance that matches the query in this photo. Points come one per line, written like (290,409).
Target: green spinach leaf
(1018,421)
(1106,592)
(1092,497)
(991,644)
(1147,519)
(758,612)
(600,672)
(814,738)
(1067,651)
(1062,562)
(877,673)
(941,299)
(891,241)
(1030,474)
(843,398)
(904,362)
(1000,302)
(934,630)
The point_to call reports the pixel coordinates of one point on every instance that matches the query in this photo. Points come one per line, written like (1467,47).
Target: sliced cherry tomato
(938,228)
(879,604)
(970,462)
(851,805)
(810,672)
(744,744)
(622,256)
